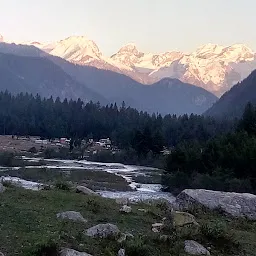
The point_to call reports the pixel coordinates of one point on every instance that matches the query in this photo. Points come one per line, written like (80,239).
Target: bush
(176,182)
(61,185)
(218,233)
(49,248)
(138,247)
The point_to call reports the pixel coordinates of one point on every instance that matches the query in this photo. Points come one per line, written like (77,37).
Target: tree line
(25,114)
(226,162)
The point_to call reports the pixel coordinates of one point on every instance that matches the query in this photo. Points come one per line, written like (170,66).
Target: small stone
(143,210)
(71,252)
(157,225)
(125,209)
(121,252)
(194,248)
(103,231)
(86,191)
(155,230)
(71,215)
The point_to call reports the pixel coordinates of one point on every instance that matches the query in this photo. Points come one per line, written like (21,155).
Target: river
(140,179)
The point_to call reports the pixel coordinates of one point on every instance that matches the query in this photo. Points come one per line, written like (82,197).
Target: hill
(40,75)
(233,102)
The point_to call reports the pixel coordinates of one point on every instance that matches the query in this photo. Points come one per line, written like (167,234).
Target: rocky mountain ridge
(213,67)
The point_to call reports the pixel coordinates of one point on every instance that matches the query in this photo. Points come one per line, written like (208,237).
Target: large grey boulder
(2,189)
(234,204)
(71,215)
(103,231)
(71,252)
(194,248)
(86,191)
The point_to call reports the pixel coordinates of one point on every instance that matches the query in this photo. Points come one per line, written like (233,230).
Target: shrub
(61,185)
(138,247)
(218,233)
(49,248)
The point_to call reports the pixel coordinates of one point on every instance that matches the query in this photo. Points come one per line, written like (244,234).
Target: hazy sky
(154,25)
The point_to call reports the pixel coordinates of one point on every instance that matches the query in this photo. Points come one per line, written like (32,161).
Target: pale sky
(154,25)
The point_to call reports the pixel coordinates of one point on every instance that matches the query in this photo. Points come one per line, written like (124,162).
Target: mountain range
(213,67)
(26,68)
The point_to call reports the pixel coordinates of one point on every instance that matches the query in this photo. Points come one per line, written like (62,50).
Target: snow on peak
(78,49)
(130,47)
(1,38)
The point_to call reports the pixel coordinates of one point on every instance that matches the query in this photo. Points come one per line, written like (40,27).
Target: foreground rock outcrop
(103,231)
(234,204)
(71,252)
(71,215)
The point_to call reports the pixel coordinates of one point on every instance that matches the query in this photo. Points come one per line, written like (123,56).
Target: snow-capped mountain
(130,56)
(1,38)
(214,67)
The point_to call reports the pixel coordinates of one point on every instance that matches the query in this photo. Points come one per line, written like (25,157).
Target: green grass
(28,226)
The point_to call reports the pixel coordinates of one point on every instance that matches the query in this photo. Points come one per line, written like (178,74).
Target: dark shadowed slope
(40,75)
(233,102)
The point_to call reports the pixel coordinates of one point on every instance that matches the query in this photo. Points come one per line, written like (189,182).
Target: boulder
(2,189)
(103,231)
(125,209)
(194,248)
(86,191)
(121,252)
(71,252)
(71,215)
(180,219)
(234,204)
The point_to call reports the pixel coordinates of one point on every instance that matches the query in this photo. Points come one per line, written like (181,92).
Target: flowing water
(143,188)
